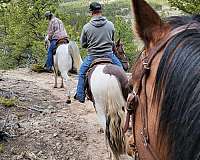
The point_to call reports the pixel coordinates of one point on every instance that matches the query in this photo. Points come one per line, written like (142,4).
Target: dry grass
(7,102)
(37,68)
(1,148)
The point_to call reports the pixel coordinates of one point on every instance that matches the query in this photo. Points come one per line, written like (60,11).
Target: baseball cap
(94,6)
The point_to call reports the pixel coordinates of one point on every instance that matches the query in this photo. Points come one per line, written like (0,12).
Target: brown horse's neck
(151,117)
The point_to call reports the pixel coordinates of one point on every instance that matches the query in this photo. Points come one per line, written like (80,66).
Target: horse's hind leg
(67,81)
(55,75)
(100,115)
(62,85)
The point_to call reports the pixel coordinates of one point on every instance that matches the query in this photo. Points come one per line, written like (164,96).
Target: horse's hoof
(55,87)
(68,101)
(101,130)
(61,86)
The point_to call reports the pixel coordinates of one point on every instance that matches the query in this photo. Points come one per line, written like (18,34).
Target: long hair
(177,92)
(75,53)
(109,102)
(115,118)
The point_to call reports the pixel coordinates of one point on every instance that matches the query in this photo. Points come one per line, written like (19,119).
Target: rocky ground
(42,125)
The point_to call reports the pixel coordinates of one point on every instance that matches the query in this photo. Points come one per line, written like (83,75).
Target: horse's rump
(60,42)
(121,77)
(108,69)
(106,83)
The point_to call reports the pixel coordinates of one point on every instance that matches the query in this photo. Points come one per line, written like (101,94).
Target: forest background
(23,25)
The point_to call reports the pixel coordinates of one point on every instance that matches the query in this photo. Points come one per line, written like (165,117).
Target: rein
(139,90)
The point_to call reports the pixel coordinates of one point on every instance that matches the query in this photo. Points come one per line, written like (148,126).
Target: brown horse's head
(166,80)
(121,55)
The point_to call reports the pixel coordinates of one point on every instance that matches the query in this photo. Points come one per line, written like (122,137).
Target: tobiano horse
(107,89)
(165,101)
(67,58)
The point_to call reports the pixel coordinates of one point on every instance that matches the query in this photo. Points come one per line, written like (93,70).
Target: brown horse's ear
(147,21)
(118,42)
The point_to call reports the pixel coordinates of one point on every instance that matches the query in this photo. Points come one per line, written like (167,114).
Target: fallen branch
(32,109)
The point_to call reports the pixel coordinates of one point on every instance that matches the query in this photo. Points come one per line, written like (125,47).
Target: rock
(22,99)
(59,146)
(31,156)
(77,137)
(40,153)
(55,134)
(13,151)
(37,131)
(17,157)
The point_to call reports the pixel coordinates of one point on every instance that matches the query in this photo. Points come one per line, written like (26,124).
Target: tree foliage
(77,14)
(23,27)
(188,6)
(23,30)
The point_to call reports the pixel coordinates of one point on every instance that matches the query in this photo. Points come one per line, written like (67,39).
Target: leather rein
(139,90)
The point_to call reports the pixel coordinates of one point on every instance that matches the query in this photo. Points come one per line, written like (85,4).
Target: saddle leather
(62,41)
(100,60)
(59,42)
(89,73)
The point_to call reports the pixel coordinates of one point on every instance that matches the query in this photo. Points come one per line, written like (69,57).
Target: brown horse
(165,101)
(121,55)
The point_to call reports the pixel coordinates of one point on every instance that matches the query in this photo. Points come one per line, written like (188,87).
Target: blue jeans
(80,91)
(49,61)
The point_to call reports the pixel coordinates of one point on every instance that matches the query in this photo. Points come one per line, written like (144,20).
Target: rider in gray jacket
(98,37)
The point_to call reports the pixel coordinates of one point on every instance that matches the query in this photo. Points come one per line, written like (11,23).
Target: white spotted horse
(107,89)
(66,58)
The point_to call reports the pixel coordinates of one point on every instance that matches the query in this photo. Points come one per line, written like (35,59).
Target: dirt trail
(44,125)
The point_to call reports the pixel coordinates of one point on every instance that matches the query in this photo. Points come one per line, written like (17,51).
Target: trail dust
(43,126)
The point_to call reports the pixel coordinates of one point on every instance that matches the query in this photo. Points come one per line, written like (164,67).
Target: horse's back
(108,73)
(108,78)
(63,58)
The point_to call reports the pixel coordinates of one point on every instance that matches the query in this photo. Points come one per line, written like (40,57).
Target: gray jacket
(98,35)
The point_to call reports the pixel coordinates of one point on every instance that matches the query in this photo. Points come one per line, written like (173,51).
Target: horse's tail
(75,53)
(115,118)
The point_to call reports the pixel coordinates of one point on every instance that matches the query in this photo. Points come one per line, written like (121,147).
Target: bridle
(134,99)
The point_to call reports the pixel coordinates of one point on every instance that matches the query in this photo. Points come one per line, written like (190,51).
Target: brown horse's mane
(177,92)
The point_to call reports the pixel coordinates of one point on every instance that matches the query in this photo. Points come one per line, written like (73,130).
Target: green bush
(1,147)
(7,102)
(22,31)
(23,27)
(188,6)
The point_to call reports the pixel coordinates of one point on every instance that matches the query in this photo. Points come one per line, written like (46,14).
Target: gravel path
(44,126)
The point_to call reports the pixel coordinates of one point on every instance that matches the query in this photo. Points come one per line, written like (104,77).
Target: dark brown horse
(121,55)
(165,101)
